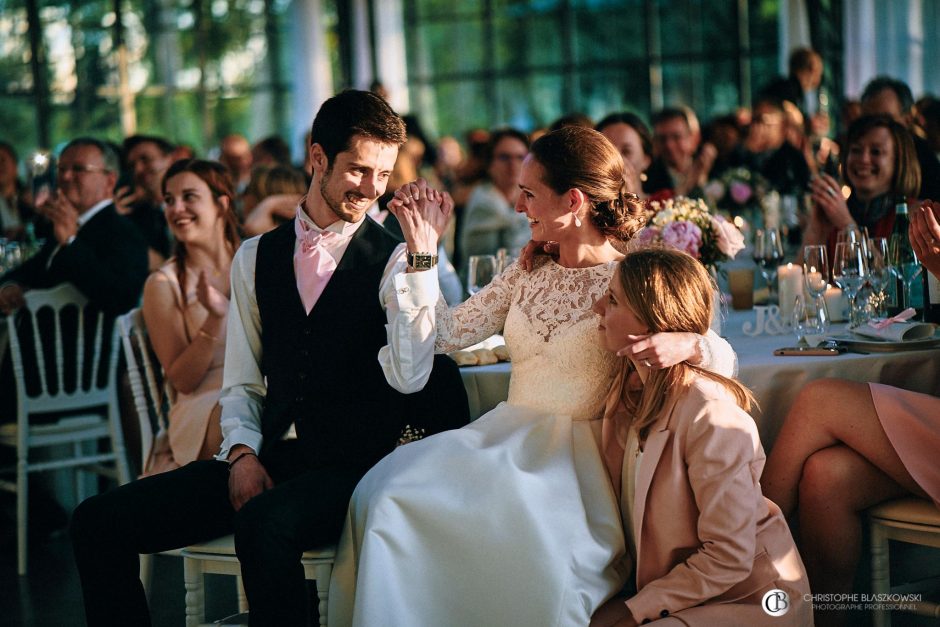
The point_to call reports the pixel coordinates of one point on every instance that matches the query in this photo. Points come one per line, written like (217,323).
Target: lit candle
(836,304)
(789,286)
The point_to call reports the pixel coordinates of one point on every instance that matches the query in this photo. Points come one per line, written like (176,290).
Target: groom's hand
(248,478)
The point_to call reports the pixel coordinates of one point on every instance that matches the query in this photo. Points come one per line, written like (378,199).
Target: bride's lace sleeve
(717,355)
(477,318)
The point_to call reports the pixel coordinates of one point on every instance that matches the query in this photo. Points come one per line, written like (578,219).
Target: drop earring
(577,221)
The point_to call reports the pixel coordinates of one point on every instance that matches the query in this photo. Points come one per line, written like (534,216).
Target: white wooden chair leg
(242,597)
(146,572)
(880,574)
(22,510)
(324,573)
(77,476)
(195,596)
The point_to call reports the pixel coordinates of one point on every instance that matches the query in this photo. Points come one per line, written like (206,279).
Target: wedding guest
(888,96)
(802,88)
(271,197)
(847,446)
(630,136)
(681,167)
(489,221)
(235,154)
(15,211)
(526,477)
(185,307)
(92,247)
(880,167)
(148,158)
(270,151)
(684,458)
(766,151)
(303,331)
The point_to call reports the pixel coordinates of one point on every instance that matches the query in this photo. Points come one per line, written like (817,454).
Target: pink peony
(685,236)
(740,192)
(729,239)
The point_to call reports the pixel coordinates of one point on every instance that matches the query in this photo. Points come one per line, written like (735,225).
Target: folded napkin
(896,329)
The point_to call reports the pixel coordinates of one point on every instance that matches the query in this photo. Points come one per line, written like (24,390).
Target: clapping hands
(925,235)
(830,206)
(423,213)
(63,215)
(211,298)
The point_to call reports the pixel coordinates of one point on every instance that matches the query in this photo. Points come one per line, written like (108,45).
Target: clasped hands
(925,235)
(423,213)
(63,215)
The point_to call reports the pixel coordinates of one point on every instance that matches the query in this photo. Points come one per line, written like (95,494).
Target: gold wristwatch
(421,261)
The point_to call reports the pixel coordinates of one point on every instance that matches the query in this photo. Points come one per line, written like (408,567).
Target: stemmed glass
(880,273)
(850,271)
(810,320)
(816,272)
(768,253)
(906,264)
(481,271)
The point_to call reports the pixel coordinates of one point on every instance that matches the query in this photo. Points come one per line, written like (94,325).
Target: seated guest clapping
(684,456)
(847,446)
(185,308)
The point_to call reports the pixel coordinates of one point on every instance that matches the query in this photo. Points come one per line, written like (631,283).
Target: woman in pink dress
(847,446)
(185,307)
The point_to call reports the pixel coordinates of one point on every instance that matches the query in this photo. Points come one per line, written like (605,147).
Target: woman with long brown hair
(685,458)
(185,307)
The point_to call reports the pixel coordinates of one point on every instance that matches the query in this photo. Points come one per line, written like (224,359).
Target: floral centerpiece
(688,225)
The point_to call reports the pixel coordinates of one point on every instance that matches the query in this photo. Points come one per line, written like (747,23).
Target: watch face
(420,261)
(423,262)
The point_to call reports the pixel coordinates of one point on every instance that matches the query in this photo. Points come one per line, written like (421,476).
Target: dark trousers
(305,510)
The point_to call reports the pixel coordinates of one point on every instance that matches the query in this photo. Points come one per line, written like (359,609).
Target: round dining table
(774,380)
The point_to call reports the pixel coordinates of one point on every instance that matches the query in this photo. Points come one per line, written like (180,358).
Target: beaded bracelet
(237,459)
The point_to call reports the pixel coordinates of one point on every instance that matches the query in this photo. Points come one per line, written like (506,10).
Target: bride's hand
(533,248)
(423,213)
(661,350)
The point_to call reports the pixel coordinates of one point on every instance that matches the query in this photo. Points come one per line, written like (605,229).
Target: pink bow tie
(313,264)
(904,316)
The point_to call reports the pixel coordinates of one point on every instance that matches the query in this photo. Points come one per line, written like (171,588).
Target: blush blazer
(709,546)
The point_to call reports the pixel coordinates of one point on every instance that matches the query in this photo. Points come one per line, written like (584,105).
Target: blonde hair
(669,291)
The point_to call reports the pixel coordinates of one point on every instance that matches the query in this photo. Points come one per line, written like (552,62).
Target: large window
(526,62)
(190,70)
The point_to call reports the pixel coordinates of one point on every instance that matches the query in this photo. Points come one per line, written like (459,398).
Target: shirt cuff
(417,289)
(238,436)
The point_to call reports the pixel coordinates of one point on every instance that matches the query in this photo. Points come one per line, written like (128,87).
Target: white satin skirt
(508,521)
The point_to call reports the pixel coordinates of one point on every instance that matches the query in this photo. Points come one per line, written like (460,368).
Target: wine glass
(810,320)
(880,272)
(849,271)
(906,264)
(480,272)
(815,269)
(854,233)
(768,253)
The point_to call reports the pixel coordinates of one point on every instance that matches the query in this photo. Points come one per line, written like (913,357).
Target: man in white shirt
(304,330)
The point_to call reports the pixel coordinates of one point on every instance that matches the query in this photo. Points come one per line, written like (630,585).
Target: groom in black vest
(304,331)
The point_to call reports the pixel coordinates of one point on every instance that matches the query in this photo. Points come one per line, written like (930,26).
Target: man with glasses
(92,247)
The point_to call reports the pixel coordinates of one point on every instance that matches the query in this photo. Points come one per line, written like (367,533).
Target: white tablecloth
(774,380)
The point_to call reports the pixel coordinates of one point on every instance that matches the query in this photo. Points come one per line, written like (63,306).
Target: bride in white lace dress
(511,520)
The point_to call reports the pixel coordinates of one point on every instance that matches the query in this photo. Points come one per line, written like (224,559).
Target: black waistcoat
(322,369)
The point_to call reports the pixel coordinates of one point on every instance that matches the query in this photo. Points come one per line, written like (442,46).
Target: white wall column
(860,45)
(362,75)
(793,29)
(391,60)
(310,70)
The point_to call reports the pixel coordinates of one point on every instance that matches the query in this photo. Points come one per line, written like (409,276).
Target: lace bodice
(558,364)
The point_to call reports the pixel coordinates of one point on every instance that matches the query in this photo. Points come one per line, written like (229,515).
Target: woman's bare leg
(837,485)
(828,412)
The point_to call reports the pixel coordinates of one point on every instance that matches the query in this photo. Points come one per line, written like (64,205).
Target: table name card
(767,322)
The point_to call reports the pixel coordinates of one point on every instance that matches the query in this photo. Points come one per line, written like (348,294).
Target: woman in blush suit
(684,456)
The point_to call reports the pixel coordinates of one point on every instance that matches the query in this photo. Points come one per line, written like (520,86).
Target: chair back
(146,380)
(66,349)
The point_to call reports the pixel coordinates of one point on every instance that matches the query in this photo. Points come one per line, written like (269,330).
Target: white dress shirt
(243,386)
